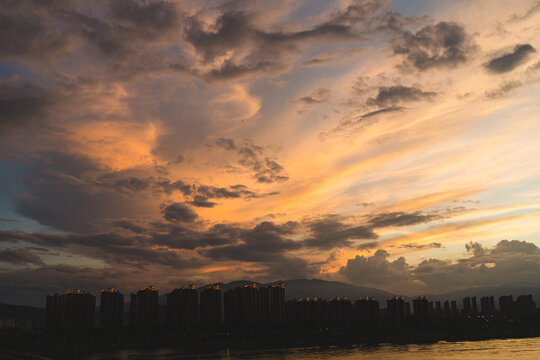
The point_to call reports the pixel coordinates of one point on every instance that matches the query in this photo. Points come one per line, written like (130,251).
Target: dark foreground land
(410,331)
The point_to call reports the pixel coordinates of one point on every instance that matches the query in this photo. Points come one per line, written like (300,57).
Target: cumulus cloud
(510,61)
(507,263)
(443,45)
(377,270)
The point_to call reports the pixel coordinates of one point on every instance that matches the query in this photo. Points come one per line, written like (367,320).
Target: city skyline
(389,144)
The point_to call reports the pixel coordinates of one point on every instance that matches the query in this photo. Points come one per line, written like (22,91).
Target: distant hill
(299,288)
(22,314)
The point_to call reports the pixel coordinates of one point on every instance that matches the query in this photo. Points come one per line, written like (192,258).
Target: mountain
(299,288)
(23,314)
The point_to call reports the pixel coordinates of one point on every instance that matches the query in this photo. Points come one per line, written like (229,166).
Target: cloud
(508,262)
(128,225)
(24,34)
(253,157)
(330,232)
(443,45)
(179,212)
(333,57)
(416,246)
(368,245)
(24,104)
(263,242)
(390,96)
(380,111)
(400,219)
(318,96)
(510,61)
(377,270)
(535,7)
(503,90)
(20,257)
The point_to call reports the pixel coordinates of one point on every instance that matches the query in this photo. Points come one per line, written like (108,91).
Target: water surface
(528,348)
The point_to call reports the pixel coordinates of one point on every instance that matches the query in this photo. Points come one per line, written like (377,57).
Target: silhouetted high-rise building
(74,310)
(407,309)
(438,309)
(467,307)
(474,305)
(431,310)
(143,309)
(487,305)
(447,312)
(506,304)
(421,307)
(395,307)
(183,308)
(276,302)
(111,309)
(55,311)
(453,307)
(366,311)
(339,311)
(243,306)
(81,309)
(307,312)
(210,306)
(525,305)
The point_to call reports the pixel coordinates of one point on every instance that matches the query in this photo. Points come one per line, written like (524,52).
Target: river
(528,348)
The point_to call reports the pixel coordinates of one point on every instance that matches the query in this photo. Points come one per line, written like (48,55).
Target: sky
(388,144)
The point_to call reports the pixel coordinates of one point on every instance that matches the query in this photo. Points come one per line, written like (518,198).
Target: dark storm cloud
(145,16)
(115,249)
(28,35)
(330,232)
(510,61)
(20,257)
(25,103)
(178,236)
(263,242)
(400,219)
(128,225)
(179,212)
(269,51)
(151,36)
(445,44)
(393,95)
(235,30)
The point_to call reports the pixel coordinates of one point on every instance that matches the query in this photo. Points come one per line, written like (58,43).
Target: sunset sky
(389,144)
